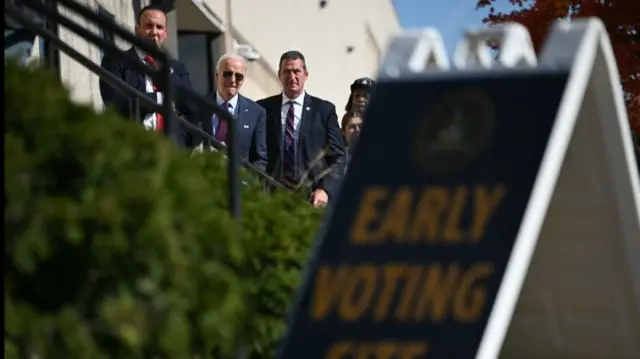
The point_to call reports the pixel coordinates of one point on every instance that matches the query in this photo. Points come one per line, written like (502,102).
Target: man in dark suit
(303,136)
(151,25)
(250,117)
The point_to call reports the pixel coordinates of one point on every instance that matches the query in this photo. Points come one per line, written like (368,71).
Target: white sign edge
(581,57)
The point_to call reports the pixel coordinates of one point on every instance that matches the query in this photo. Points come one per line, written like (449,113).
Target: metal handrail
(71,52)
(117,83)
(233,164)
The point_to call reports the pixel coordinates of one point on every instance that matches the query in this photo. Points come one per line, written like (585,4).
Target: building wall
(342,41)
(324,36)
(81,82)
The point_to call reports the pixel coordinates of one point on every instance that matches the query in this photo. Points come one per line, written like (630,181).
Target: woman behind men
(351,125)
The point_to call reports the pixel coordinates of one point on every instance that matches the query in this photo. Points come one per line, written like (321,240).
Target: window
(103,32)
(200,51)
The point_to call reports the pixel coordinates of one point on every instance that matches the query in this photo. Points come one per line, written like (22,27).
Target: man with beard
(304,143)
(151,26)
(250,117)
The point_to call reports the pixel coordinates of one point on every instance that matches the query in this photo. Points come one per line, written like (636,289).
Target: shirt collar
(299,100)
(233,102)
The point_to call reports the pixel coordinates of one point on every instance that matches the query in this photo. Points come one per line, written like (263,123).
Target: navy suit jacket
(122,103)
(251,126)
(319,131)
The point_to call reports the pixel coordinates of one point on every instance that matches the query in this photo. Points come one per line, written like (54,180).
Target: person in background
(351,125)
(151,26)
(361,90)
(250,117)
(303,135)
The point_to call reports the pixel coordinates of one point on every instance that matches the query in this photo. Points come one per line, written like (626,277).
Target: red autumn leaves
(621,18)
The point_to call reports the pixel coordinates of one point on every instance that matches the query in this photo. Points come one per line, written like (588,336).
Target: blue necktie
(289,150)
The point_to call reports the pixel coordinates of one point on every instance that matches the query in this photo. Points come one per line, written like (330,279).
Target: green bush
(119,245)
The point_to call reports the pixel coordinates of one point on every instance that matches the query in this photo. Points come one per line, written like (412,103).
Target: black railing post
(134,109)
(233,169)
(167,101)
(50,52)
(48,9)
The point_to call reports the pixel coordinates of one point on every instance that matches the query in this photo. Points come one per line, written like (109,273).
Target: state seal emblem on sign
(454,132)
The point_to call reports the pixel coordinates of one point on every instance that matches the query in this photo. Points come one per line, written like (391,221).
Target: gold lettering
(340,350)
(452,233)
(413,276)
(354,302)
(437,292)
(426,223)
(378,350)
(442,291)
(366,351)
(471,298)
(414,351)
(392,275)
(385,350)
(328,288)
(486,203)
(367,215)
(394,225)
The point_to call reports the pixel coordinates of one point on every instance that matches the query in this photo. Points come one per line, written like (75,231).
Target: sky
(450,17)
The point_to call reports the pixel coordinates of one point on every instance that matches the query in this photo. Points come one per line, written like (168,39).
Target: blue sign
(416,245)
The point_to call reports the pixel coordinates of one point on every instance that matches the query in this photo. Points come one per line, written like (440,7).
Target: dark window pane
(192,50)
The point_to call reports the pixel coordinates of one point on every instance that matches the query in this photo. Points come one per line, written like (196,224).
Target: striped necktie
(289,150)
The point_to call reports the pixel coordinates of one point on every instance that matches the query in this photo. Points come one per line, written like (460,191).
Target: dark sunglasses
(227,74)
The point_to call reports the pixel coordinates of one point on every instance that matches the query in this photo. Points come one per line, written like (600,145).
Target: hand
(319,198)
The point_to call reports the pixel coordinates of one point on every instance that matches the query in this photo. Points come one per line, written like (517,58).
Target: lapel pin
(170,70)
(308,108)
(246,126)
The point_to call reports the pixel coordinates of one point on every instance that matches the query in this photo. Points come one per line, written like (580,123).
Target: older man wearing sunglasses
(250,118)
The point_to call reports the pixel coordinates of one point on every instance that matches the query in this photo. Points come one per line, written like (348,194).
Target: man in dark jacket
(250,118)
(304,142)
(151,26)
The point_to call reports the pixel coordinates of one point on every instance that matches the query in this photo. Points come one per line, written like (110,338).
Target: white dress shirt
(298,103)
(297,115)
(151,119)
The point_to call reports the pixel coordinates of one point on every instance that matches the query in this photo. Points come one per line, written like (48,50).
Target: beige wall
(82,83)
(322,35)
(271,27)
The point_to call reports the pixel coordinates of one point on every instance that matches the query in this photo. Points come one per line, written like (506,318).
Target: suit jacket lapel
(240,115)
(305,119)
(207,118)
(140,85)
(277,119)
(238,112)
